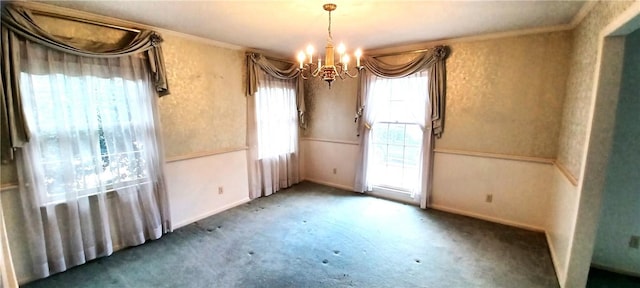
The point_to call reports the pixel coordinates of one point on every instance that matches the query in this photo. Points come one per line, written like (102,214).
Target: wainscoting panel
(320,158)
(562,213)
(519,188)
(194,184)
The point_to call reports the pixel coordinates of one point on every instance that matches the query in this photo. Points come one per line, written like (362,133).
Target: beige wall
(503,96)
(331,112)
(207,108)
(579,88)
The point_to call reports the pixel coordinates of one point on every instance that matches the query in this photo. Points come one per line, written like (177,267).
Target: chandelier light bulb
(358,54)
(301,57)
(310,51)
(341,49)
(345,61)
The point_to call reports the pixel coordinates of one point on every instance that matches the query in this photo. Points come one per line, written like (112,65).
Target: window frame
(102,186)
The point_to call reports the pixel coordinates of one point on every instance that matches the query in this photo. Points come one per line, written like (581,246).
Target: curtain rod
(66,17)
(401,53)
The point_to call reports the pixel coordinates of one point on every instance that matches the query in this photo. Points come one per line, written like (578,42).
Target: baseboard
(210,213)
(334,185)
(393,196)
(24,281)
(554,258)
(615,270)
(487,218)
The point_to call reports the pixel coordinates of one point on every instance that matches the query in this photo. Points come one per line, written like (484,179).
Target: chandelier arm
(316,72)
(354,75)
(302,74)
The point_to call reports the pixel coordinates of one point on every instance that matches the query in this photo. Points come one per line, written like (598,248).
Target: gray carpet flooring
(316,236)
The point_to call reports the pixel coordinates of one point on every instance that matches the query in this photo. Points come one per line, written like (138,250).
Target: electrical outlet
(634,242)
(335,171)
(489,198)
(220,190)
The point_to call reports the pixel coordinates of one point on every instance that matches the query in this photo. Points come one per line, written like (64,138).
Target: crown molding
(582,13)
(38,6)
(475,38)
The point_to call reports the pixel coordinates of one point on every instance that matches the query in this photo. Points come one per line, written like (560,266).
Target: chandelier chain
(329,29)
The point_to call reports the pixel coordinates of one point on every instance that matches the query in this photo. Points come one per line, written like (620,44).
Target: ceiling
(284,27)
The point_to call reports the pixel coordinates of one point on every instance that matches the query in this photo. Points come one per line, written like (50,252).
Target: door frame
(599,138)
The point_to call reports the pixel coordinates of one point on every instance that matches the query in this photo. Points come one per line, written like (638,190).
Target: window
(396,135)
(88,133)
(397,148)
(277,118)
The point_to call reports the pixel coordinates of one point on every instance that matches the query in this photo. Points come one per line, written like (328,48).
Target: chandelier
(330,69)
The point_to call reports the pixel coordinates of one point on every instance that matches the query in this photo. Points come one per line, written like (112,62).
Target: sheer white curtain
(92,172)
(273,136)
(413,108)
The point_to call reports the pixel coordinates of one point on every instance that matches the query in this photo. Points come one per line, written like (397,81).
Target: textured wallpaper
(207,108)
(503,96)
(580,83)
(331,112)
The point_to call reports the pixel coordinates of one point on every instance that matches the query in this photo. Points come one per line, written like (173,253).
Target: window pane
(411,179)
(412,157)
(83,124)
(395,156)
(276,116)
(380,154)
(393,176)
(413,136)
(397,111)
(396,134)
(380,133)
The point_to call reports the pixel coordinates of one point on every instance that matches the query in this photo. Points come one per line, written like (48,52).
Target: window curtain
(18,25)
(269,172)
(433,61)
(77,199)
(7,271)
(81,215)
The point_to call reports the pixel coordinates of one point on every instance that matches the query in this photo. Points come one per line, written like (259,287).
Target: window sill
(393,194)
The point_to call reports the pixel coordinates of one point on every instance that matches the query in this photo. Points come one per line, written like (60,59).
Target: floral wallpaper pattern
(206,110)
(580,83)
(331,112)
(505,95)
